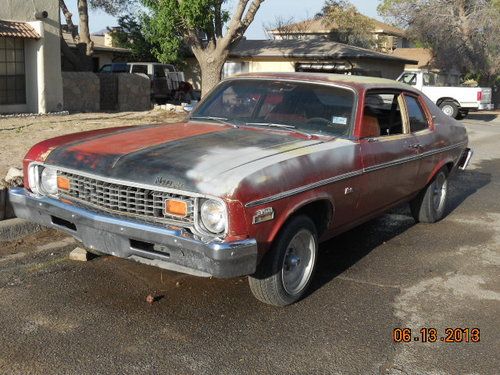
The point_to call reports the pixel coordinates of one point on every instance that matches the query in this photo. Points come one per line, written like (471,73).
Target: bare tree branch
(69,21)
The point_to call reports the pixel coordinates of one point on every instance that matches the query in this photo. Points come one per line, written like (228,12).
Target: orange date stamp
(430,335)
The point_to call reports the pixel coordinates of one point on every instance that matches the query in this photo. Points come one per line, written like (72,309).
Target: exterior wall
(81,92)
(281,66)
(43,56)
(90,92)
(133,92)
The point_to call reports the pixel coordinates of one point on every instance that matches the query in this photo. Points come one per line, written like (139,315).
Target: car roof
(341,79)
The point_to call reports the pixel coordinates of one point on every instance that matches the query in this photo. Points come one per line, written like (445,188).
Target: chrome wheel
(448,110)
(298,263)
(439,191)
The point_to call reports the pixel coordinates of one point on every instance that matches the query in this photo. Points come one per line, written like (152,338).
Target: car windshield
(311,108)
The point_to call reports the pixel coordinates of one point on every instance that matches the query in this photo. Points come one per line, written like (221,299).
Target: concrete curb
(14,229)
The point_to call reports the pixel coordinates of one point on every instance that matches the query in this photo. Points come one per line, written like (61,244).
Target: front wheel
(429,205)
(285,272)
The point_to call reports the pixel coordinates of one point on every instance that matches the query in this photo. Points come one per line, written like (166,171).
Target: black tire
(267,284)
(450,108)
(429,206)
(462,114)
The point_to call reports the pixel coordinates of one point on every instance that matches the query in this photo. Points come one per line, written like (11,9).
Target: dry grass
(18,135)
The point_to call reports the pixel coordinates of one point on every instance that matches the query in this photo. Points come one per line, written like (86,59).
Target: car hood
(191,157)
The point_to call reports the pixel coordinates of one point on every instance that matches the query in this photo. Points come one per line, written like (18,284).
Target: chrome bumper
(465,159)
(171,249)
(486,107)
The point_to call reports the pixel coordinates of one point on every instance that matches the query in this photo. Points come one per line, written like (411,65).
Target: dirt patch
(31,242)
(18,135)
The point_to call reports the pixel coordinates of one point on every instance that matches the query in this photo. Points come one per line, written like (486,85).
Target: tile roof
(317,48)
(321,25)
(15,29)
(422,55)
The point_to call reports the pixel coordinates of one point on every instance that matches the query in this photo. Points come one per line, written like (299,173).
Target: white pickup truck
(444,89)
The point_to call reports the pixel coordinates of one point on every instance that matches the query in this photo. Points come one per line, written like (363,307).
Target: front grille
(124,200)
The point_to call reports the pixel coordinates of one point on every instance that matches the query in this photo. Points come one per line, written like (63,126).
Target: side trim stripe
(345,176)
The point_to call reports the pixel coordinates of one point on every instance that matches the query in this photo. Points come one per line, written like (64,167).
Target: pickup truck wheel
(449,108)
(429,205)
(462,114)
(285,272)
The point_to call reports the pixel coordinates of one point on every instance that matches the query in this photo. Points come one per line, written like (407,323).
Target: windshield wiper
(279,126)
(220,120)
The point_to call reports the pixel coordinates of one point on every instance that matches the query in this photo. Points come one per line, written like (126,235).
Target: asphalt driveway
(63,317)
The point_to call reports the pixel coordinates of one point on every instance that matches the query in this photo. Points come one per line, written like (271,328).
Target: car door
(421,127)
(389,152)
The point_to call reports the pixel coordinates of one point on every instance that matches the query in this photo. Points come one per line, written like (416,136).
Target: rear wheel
(429,205)
(449,108)
(462,114)
(285,272)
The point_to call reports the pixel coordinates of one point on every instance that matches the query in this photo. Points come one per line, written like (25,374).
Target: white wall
(43,57)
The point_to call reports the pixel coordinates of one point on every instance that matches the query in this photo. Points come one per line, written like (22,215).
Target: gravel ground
(63,317)
(18,134)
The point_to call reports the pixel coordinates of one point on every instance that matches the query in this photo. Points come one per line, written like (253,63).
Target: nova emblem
(162,181)
(262,215)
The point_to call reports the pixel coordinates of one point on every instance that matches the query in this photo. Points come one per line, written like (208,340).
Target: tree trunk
(69,20)
(211,65)
(83,12)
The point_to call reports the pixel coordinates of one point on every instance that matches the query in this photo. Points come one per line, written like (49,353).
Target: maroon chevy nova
(264,168)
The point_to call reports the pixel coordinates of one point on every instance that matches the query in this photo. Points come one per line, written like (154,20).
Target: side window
(140,69)
(409,79)
(159,71)
(416,115)
(382,115)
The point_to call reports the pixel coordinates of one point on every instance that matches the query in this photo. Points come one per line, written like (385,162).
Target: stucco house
(303,55)
(30,62)
(385,36)
(105,52)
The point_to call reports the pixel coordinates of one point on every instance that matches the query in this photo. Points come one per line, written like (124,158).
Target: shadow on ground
(481,116)
(342,252)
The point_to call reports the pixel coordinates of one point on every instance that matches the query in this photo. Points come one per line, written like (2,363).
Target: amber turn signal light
(176,207)
(63,183)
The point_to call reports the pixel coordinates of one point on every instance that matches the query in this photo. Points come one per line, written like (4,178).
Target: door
(419,122)
(389,152)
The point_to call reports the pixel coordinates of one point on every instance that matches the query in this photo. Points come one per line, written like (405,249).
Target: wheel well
(441,100)
(449,166)
(320,212)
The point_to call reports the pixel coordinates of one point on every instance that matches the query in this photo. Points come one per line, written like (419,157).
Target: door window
(382,115)
(416,115)
(409,79)
(159,71)
(140,69)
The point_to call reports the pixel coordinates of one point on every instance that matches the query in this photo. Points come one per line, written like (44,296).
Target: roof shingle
(15,29)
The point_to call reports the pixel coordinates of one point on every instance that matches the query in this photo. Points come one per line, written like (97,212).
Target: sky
(298,9)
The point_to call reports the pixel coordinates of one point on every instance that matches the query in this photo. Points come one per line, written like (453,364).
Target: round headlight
(48,181)
(213,216)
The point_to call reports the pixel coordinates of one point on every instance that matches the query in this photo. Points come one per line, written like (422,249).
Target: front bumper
(172,249)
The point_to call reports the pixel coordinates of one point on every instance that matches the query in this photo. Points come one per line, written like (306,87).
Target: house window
(12,72)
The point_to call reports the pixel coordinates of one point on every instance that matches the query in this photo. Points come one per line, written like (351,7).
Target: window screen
(417,117)
(12,72)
